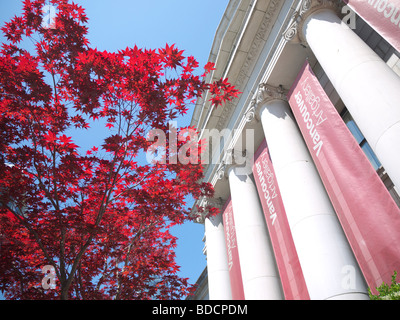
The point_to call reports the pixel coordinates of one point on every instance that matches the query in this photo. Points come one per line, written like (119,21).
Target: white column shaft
(219,285)
(368,87)
(259,272)
(324,253)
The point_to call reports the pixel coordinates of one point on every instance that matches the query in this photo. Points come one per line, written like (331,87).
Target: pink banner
(368,214)
(235,274)
(382,15)
(293,283)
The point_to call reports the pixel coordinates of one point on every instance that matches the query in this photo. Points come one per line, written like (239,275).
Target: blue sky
(190,24)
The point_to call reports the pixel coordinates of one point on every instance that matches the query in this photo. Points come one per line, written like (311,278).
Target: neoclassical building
(302,216)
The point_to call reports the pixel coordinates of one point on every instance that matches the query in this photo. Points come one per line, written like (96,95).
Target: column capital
(205,203)
(303,11)
(250,114)
(233,158)
(266,93)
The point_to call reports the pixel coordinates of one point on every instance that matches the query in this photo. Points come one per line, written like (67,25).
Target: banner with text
(291,274)
(235,273)
(382,15)
(368,214)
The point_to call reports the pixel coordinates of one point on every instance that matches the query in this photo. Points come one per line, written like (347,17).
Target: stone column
(257,261)
(368,87)
(324,253)
(219,285)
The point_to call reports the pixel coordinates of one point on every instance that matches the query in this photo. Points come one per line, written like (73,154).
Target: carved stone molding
(267,93)
(291,32)
(254,50)
(207,202)
(306,8)
(232,158)
(250,115)
(263,95)
(221,172)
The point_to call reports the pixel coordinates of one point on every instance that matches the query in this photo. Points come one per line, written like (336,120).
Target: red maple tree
(99,218)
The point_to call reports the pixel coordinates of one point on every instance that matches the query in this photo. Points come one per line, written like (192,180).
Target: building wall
(248,49)
(201,292)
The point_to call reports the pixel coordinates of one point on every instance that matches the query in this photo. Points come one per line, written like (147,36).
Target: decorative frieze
(251,58)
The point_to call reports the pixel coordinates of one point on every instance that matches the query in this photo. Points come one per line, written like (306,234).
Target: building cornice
(251,58)
(239,67)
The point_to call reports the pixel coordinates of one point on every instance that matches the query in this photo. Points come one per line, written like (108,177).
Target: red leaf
(92,215)
(209,67)
(65,140)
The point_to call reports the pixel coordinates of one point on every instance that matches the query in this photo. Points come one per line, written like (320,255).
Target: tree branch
(37,238)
